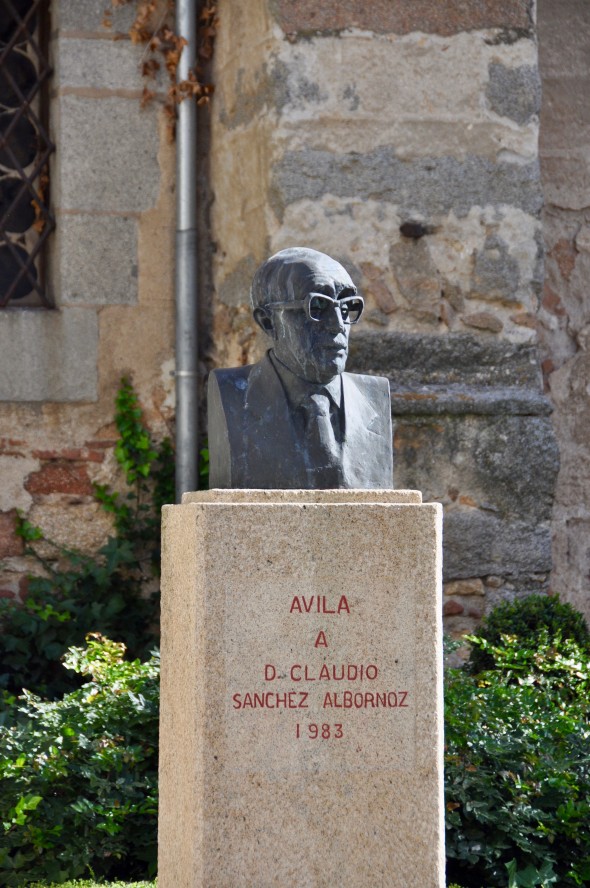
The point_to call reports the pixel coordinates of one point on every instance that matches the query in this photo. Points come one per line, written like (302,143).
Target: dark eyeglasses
(317,307)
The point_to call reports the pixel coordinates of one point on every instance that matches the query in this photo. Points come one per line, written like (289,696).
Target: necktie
(323,452)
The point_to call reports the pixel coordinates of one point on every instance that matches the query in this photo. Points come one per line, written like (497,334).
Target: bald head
(315,352)
(287,275)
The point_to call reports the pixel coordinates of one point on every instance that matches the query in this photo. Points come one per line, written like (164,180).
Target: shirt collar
(299,390)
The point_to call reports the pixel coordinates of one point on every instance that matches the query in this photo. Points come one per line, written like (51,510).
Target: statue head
(305,301)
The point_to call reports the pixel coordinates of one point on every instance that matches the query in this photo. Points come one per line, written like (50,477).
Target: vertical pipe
(187,402)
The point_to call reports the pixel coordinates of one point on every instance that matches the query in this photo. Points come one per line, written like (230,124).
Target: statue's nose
(335,322)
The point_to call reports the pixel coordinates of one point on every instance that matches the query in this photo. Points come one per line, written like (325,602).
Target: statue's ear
(264,320)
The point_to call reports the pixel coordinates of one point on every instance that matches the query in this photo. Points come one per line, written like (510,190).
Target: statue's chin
(332,364)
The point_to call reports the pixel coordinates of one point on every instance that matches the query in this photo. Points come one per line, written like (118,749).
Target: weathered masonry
(401,138)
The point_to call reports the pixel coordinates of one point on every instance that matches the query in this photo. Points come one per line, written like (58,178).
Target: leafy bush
(517,765)
(108,592)
(78,776)
(526,618)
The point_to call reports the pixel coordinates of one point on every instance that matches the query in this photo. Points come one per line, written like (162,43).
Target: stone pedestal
(301,727)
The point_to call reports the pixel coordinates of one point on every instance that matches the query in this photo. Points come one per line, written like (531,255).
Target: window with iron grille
(25,148)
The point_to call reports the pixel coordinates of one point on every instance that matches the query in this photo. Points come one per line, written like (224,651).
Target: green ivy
(114,592)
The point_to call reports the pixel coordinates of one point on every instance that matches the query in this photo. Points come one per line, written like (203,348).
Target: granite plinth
(301,726)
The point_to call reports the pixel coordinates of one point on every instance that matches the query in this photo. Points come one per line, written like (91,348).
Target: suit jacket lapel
(361,464)
(359,413)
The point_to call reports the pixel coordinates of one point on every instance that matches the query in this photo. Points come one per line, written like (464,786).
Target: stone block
(572,559)
(48,355)
(478,543)
(14,468)
(483,320)
(566,176)
(72,522)
(100,64)
(465,587)
(89,15)
(417,277)
(496,274)
(109,155)
(272,771)
(514,92)
(307,17)
(566,116)
(564,38)
(329,94)
(429,187)
(97,257)
(506,465)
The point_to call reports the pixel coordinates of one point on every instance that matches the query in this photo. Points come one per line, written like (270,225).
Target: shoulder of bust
(231,378)
(378,385)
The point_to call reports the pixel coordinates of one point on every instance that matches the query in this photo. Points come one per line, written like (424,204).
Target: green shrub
(517,766)
(525,618)
(78,776)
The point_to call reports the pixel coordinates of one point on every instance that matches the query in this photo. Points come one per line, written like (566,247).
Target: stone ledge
(459,400)
(48,355)
(415,359)
(271,496)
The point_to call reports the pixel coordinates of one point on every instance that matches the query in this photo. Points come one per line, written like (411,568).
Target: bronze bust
(296,419)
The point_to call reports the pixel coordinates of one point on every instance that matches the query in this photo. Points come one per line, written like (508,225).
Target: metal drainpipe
(187,401)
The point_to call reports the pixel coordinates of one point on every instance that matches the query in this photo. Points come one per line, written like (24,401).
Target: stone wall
(402,139)
(564,46)
(111,271)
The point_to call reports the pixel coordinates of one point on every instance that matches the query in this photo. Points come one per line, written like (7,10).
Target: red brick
(452,608)
(552,302)
(10,544)
(60,477)
(402,16)
(564,253)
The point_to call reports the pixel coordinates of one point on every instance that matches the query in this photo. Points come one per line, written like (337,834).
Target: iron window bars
(26,220)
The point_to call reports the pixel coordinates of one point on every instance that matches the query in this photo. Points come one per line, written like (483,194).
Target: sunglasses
(318,307)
